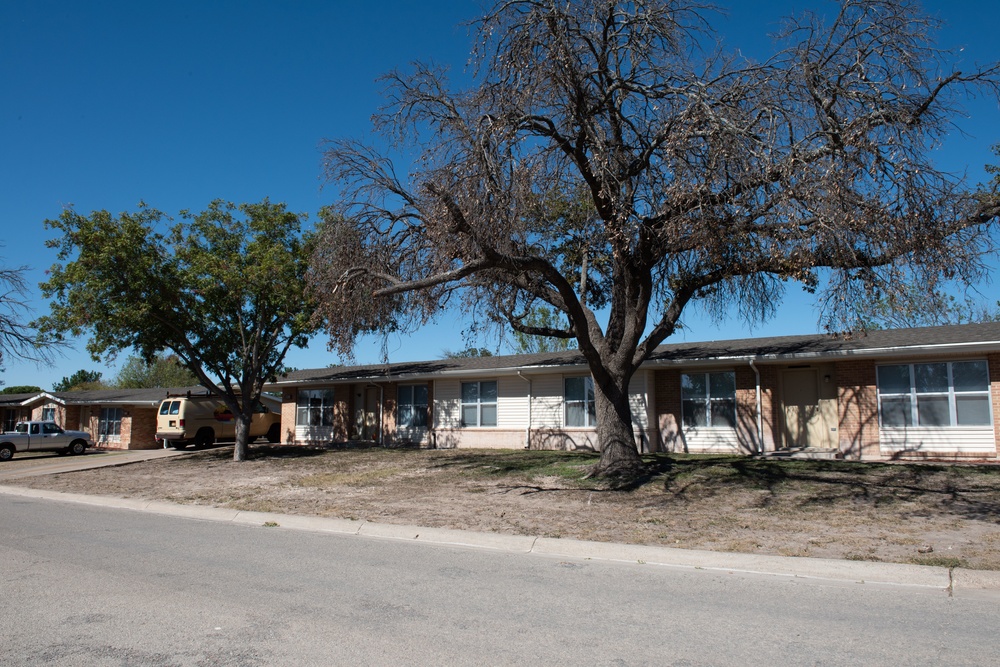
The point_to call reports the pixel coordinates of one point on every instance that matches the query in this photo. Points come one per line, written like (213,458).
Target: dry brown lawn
(908,513)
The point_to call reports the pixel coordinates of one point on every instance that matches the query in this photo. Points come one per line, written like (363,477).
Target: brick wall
(857,407)
(141,428)
(770,407)
(667,399)
(993,362)
(388,428)
(288,402)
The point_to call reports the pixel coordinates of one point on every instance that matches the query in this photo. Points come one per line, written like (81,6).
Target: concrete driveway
(29,464)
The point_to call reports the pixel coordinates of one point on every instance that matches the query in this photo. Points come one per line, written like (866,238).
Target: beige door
(366,414)
(809,421)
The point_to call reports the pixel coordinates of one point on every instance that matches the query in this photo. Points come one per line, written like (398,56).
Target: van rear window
(175,407)
(164,406)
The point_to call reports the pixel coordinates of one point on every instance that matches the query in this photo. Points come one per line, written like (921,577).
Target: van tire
(177,444)
(204,438)
(274,434)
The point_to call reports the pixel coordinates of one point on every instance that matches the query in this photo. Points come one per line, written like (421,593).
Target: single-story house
(927,392)
(116,418)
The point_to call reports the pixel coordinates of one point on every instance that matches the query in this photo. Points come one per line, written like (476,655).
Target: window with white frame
(479,403)
(708,400)
(411,406)
(314,407)
(579,397)
(109,423)
(48,414)
(942,394)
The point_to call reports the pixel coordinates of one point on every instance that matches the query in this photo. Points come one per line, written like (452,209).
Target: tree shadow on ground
(971,492)
(261,452)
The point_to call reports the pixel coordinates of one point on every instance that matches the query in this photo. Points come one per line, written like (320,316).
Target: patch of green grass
(938,561)
(525,464)
(863,557)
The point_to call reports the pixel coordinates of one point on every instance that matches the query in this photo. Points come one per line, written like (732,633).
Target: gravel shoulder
(923,514)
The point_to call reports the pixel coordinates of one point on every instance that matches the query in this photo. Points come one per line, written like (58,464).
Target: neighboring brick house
(115,418)
(930,392)
(13,408)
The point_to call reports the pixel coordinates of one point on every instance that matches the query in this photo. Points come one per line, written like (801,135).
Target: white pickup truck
(43,437)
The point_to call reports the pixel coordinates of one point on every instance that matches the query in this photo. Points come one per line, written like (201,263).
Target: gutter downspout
(527,429)
(381,416)
(760,421)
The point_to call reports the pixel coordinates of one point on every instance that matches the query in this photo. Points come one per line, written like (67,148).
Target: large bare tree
(708,179)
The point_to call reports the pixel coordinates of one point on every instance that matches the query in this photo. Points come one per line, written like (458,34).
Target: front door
(366,414)
(809,421)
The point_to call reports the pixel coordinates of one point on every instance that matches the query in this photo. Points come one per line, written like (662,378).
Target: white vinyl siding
(972,440)
(712,440)
(512,402)
(639,400)
(936,407)
(447,401)
(547,401)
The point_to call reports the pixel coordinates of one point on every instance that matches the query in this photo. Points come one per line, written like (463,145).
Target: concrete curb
(956,582)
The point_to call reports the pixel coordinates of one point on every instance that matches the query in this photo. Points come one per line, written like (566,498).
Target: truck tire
(274,434)
(77,447)
(6,452)
(204,438)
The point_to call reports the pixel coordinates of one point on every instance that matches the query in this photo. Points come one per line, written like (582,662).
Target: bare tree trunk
(619,454)
(242,437)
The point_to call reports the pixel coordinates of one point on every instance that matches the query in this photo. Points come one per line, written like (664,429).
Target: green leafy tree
(467,353)
(79,381)
(21,389)
(716,181)
(223,291)
(164,370)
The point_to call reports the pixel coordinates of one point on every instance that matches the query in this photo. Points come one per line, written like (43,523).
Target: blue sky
(177,103)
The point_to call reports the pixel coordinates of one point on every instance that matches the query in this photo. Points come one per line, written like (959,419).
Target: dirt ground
(922,513)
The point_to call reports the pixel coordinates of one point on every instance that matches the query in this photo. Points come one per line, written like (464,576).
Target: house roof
(141,397)
(136,397)
(15,399)
(973,338)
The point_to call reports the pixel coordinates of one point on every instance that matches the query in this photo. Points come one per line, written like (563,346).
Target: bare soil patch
(907,513)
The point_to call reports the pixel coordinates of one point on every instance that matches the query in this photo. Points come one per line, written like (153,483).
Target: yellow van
(203,419)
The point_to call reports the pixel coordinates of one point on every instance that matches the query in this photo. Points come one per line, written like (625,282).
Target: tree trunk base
(619,460)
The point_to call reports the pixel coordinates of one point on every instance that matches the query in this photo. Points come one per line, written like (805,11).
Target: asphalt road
(87,585)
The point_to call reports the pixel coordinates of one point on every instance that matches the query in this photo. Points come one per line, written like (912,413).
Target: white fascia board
(410,377)
(42,396)
(873,352)
(138,404)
